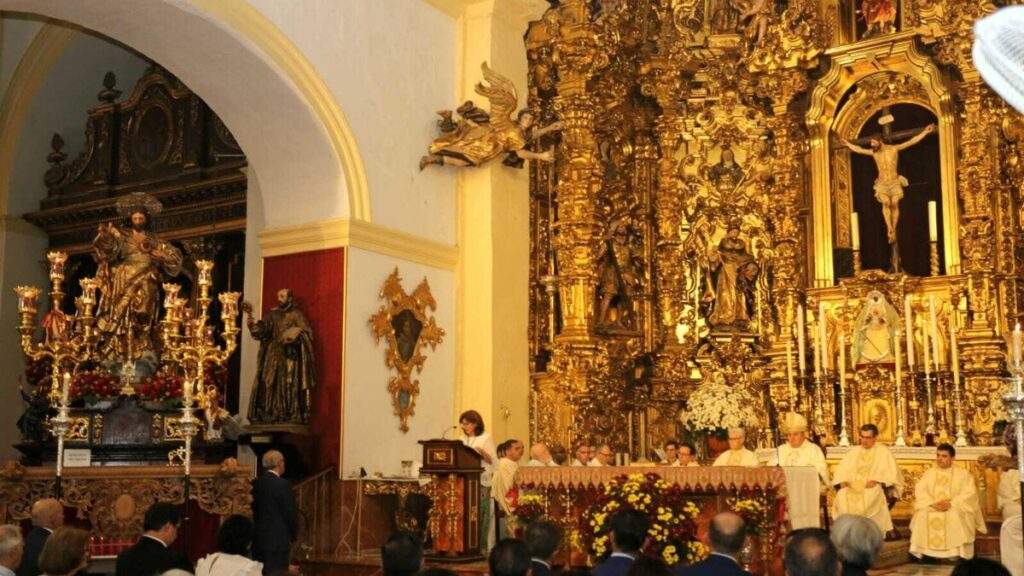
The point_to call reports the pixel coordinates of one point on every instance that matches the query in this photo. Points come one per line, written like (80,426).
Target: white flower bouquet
(716,407)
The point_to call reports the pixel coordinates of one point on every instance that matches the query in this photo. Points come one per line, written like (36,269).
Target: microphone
(447,430)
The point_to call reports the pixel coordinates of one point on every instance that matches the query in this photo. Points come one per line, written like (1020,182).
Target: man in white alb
(687,455)
(603,457)
(798,451)
(864,477)
(947,513)
(737,454)
(671,454)
(583,455)
(540,455)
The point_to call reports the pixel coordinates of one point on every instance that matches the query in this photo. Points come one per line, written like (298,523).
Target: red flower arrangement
(93,385)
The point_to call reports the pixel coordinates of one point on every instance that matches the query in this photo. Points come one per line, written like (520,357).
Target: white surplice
(741,457)
(857,468)
(949,533)
(807,454)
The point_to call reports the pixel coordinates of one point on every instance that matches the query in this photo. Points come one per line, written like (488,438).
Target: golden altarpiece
(701,200)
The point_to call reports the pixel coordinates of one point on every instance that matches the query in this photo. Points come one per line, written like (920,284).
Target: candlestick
(65,395)
(823,330)
(927,352)
(789,375)
(855,231)
(958,416)
(801,356)
(817,351)
(933,221)
(933,325)
(844,439)
(1018,342)
(908,320)
(900,432)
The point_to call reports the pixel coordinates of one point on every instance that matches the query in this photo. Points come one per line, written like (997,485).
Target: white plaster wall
(390,66)
(251,287)
(16,33)
(372,439)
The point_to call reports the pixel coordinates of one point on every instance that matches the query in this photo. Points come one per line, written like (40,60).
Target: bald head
(810,552)
(539,451)
(273,460)
(48,513)
(727,533)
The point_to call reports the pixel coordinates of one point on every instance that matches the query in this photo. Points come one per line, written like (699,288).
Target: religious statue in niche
(403,322)
(879,17)
(875,331)
(131,263)
(755,18)
(727,174)
(725,16)
(889,184)
(286,365)
(732,274)
(618,276)
(478,137)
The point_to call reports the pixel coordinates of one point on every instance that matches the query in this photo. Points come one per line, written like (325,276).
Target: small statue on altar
(727,174)
(479,137)
(875,331)
(131,263)
(618,276)
(286,367)
(879,17)
(732,277)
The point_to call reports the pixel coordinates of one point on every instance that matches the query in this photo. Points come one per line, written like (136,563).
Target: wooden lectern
(454,471)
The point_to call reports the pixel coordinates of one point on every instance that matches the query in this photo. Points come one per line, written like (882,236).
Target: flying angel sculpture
(476,138)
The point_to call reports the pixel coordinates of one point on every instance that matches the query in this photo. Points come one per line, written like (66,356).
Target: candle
(817,351)
(854,231)
(954,355)
(927,353)
(933,222)
(842,362)
(899,360)
(801,349)
(934,335)
(789,374)
(66,392)
(823,333)
(1018,338)
(908,319)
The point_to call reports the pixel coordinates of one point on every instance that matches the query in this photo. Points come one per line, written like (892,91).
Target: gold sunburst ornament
(403,322)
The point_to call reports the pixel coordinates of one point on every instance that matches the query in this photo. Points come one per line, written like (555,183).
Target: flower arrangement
(93,385)
(529,508)
(716,406)
(752,511)
(672,518)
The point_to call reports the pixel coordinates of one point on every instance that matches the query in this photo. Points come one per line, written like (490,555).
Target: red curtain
(317,282)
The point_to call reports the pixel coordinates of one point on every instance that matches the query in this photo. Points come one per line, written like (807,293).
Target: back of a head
(979,567)
(542,539)
(436,572)
(45,511)
(401,555)
(64,551)
(629,530)
(271,459)
(810,552)
(727,532)
(235,535)
(649,566)
(159,515)
(857,539)
(10,539)
(176,572)
(509,557)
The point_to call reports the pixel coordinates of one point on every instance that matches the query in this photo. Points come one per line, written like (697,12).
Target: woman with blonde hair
(65,553)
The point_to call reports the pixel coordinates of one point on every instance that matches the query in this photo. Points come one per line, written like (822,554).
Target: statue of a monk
(131,263)
(286,370)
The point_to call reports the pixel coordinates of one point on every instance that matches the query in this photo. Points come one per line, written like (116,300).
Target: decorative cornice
(341,232)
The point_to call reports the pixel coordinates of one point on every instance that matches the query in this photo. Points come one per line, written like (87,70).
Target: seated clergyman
(671,454)
(687,455)
(603,457)
(798,451)
(864,477)
(947,513)
(540,455)
(583,455)
(737,454)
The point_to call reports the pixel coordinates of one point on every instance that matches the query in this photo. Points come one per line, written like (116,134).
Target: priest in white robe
(863,478)
(737,454)
(540,455)
(688,455)
(798,451)
(671,451)
(947,513)
(584,452)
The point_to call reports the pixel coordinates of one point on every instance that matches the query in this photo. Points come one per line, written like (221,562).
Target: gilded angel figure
(477,137)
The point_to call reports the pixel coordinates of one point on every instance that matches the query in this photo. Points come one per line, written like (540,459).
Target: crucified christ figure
(889,184)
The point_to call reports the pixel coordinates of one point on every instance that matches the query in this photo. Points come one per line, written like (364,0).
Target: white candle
(933,221)
(66,392)
(933,327)
(817,351)
(823,334)
(801,348)
(954,355)
(789,372)
(899,360)
(908,319)
(842,362)
(1018,338)
(927,353)
(854,231)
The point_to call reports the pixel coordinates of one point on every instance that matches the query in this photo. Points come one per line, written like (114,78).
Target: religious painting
(405,323)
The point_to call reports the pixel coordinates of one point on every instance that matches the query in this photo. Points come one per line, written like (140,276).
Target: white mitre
(794,422)
(999,53)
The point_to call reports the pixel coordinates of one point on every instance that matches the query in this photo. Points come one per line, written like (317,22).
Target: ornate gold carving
(404,323)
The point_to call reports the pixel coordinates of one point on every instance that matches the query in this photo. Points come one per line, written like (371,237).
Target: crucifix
(889,184)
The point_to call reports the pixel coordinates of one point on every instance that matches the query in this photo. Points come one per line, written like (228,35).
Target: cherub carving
(478,137)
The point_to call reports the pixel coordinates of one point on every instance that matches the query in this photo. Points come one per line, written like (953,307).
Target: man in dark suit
(509,557)
(274,513)
(47,516)
(726,532)
(152,553)
(401,555)
(810,552)
(542,539)
(628,534)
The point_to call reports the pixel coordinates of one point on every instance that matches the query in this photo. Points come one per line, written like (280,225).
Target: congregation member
(12,549)
(603,456)
(1011,533)
(737,454)
(947,513)
(542,539)
(152,554)
(864,477)
(979,567)
(798,450)
(671,450)
(687,455)
(726,533)
(476,437)
(275,515)
(47,516)
(401,555)
(66,553)
(858,541)
(559,455)
(628,532)
(810,552)
(234,551)
(583,455)
(540,455)
(509,557)
(503,484)
(649,566)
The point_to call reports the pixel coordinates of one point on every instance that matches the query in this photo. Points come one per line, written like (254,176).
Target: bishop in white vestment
(737,454)
(797,451)
(947,513)
(863,476)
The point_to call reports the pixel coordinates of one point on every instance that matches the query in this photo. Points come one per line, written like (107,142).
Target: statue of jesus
(889,184)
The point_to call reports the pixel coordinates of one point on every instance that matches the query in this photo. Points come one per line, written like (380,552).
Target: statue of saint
(618,276)
(286,369)
(875,331)
(889,184)
(732,276)
(131,264)
(879,16)
(725,16)
(727,174)
(755,20)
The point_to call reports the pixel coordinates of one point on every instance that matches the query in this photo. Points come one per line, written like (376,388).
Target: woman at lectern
(475,437)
